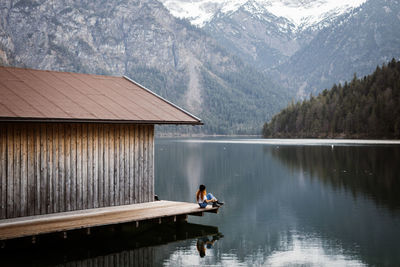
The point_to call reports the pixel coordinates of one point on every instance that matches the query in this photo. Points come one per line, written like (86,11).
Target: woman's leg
(210,196)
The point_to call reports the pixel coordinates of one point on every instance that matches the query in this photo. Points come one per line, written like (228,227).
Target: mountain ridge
(356,43)
(302,14)
(141,40)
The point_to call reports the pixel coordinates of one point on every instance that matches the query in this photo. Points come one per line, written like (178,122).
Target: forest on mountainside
(367,107)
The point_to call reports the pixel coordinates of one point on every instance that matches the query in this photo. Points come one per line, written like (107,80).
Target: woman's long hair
(200,194)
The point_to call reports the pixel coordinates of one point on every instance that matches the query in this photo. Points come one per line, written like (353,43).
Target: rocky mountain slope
(356,42)
(305,45)
(140,39)
(301,13)
(218,69)
(265,33)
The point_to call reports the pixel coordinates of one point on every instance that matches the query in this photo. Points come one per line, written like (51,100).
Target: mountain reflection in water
(366,171)
(291,204)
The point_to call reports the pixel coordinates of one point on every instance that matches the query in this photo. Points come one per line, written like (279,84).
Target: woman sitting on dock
(204,199)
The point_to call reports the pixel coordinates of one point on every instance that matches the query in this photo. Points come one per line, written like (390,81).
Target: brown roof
(37,95)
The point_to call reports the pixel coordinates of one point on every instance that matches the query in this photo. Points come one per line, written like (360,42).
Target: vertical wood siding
(56,167)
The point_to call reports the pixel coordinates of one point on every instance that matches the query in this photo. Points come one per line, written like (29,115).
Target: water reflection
(284,206)
(288,205)
(365,171)
(204,243)
(119,245)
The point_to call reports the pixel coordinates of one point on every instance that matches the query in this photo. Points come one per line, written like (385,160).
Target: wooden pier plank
(64,221)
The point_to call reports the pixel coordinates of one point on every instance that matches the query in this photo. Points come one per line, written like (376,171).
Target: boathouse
(72,141)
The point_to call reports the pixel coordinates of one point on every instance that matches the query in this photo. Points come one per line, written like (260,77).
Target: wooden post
(131,164)
(79,180)
(111,145)
(3,171)
(95,166)
(67,167)
(121,164)
(73,165)
(24,172)
(126,164)
(55,176)
(90,167)
(136,175)
(10,171)
(17,171)
(116,164)
(49,163)
(85,166)
(106,172)
(61,168)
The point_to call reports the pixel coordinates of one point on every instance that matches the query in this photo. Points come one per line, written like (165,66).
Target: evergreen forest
(367,107)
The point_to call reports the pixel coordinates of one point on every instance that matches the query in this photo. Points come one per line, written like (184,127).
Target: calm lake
(290,204)
(287,203)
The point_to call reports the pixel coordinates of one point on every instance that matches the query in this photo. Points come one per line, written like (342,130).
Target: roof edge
(62,120)
(165,100)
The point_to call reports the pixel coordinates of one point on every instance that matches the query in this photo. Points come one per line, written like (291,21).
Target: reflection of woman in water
(205,199)
(203,243)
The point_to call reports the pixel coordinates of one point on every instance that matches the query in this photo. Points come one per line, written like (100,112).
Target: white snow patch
(310,13)
(300,13)
(199,12)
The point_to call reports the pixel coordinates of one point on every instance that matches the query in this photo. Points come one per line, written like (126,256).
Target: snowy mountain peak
(302,13)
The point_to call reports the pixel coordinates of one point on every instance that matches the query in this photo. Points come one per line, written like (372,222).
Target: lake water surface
(288,203)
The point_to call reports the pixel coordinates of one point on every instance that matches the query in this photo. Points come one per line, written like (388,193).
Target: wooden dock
(65,221)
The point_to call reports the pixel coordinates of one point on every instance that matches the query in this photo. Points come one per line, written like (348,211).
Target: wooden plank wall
(55,167)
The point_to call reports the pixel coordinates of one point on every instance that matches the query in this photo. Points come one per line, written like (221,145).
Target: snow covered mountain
(264,33)
(304,45)
(302,13)
(239,66)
